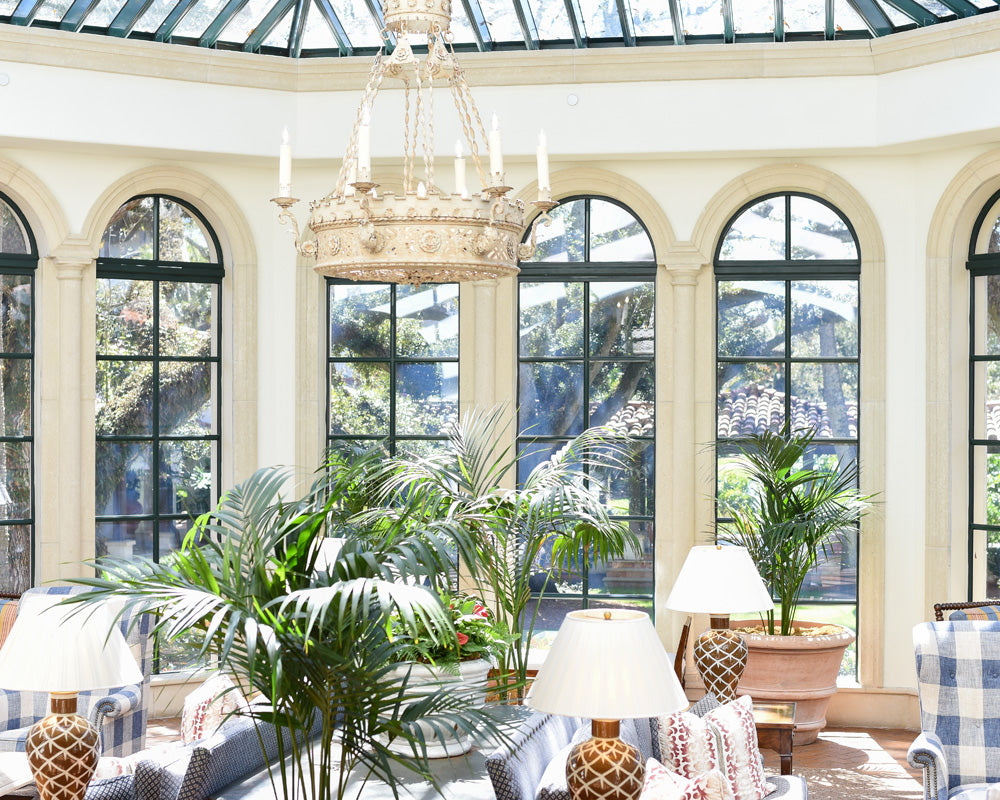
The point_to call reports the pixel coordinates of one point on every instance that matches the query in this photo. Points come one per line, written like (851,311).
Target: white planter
(471,682)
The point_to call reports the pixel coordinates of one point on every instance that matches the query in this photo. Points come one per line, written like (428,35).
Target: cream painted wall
(897,132)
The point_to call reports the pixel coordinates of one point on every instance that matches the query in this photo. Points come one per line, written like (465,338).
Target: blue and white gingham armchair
(958,678)
(120,715)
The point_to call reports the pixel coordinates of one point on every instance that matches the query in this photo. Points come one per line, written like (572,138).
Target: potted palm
(792,517)
(314,642)
(468,486)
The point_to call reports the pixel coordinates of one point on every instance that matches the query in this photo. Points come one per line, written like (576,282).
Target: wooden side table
(775,728)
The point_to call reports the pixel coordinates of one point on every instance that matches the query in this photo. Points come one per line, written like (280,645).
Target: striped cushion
(980,612)
(8,613)
(958,678)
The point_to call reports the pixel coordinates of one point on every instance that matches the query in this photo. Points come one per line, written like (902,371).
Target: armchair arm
(112,706)
(927,752)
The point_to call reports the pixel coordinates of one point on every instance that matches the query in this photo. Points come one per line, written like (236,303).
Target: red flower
(462,639)
(480,611)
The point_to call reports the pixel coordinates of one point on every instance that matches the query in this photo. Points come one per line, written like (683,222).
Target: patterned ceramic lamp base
(604,767)
(62,751)
(721,656)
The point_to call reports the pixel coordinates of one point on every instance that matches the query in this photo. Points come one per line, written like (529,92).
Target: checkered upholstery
(980,612)
(958,678)
(120,715)
(121,787)
(8,613)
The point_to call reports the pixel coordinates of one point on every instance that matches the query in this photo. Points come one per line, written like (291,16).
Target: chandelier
(425,234)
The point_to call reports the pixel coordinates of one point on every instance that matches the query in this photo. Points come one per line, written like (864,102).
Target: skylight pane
(7,7)
(318,35)
(804,16)
(896,17)
(501,21)
(358,22)
(154,16)
(702,17)
(753,16)
(846,18)
(461,28)
(551,19)
(652,18)
(984,3)
(246,20)
(53,10)
(936,8)
(199,18)
(283,30)
(105,12)
(600,18)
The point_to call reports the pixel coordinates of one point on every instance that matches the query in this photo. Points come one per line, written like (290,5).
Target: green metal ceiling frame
(338,19)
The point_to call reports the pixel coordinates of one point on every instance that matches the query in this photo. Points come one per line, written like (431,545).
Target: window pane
(187,312)
(132,231)
(124,399)
(318,35)
(757,234)
(652,18)
(993,564)
(426,398)
(630,491)
(600,18)
(360,320)
(123,478)
(562,239)
(15,397)
(186,398)
(753,16)
(15,480)
(534,453)
(986,424)
(621,318)
(631,574)
(15,313)
(199,18)
(702,17)
(551,319)
(819,232)
(551,399)
(427,320)
(803,16)
(986,485)
(154,15)
(13,237)
(987,309)
(124,317)
(751,399)
(357,21)
(824,319)
(751,318)
(616,235)
(359,399)
(622,397)
(551,19)
(825,397)
(15,554)
(246,21)
(186,477)
(501,20)
(182,236)
(106,11)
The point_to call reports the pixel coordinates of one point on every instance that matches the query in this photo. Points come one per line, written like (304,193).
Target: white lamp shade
(65,648)
(718,579)
(607,669)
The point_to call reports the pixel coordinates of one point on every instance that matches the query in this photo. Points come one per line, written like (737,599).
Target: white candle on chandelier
(496,154)
(352,177)
(285,166)
(542,156)
(461,188)
(421,190)
(365,147)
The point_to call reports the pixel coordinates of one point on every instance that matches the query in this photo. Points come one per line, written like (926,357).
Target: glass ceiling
(305,28)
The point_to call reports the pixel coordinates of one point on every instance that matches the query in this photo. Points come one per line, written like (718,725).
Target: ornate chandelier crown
(424,234)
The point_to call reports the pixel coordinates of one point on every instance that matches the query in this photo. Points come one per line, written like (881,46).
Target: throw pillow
(739,757)
(208,706)
(662,784)
(687,744)
(111,767)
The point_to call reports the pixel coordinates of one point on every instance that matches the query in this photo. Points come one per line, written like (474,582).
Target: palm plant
(312,642)
(467,488)
(795,515)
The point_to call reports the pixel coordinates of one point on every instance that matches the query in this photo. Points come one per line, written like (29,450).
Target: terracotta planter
(801,669)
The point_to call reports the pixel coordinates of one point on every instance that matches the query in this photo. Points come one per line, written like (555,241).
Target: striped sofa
(119,715)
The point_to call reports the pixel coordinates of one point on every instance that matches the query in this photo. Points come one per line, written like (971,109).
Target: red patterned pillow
(662,784)
(208,706)
(687,744)
(737,742)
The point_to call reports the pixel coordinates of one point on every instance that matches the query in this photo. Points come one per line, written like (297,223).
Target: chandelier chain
(409,140)
(350,157)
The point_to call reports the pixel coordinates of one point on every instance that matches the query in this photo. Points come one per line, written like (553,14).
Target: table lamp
(63,650)
(608,665)
(719,580)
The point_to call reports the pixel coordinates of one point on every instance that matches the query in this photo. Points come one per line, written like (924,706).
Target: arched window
(18,261)
(392,363)
(586,357)
(158,365)
(787,273)
(984,402)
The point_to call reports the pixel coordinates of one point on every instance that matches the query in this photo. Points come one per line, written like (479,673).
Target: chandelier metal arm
(527,249)
(286,217)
